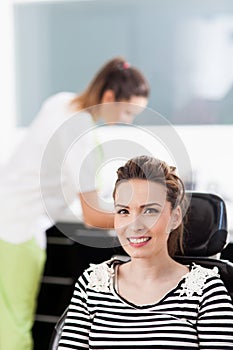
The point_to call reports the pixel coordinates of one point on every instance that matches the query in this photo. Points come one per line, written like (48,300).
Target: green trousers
(21,267)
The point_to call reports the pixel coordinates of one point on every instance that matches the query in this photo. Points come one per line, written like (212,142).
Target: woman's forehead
(140,190)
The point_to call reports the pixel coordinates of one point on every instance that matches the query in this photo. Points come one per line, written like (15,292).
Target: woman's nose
(136,224)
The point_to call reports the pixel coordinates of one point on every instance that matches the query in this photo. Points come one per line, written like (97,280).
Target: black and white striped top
(197,314)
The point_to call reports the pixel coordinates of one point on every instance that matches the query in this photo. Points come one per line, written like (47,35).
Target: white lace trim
(195,280)
(101,276)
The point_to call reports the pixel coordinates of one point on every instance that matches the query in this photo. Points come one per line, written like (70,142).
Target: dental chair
(205,236)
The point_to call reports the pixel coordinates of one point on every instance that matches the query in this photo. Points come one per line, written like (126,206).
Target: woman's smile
(138,242)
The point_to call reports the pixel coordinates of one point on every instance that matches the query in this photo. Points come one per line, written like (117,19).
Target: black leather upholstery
(57,332)
(206,228)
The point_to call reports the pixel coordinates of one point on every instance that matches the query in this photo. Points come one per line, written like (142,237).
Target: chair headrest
(206,229)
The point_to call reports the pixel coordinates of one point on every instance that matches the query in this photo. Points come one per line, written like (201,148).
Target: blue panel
(185,49)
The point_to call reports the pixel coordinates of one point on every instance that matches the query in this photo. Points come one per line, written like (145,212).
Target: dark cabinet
(66,260)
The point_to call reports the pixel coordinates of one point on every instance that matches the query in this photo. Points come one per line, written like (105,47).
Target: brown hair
(153,169)
(116,75)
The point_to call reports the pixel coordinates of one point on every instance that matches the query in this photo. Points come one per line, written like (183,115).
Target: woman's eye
(122,211)
(151,211)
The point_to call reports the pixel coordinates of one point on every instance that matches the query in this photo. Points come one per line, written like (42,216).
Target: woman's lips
(138,241)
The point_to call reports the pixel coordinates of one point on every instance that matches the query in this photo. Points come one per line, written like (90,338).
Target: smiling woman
(150,301)
(144,216)
(162,195)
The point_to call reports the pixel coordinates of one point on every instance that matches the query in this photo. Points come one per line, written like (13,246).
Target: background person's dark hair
(117,75)
(156,170)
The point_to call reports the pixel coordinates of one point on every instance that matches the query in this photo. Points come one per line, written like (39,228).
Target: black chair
(205,236)
(57,332)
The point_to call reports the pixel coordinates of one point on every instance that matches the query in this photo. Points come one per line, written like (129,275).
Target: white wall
(7,105)
(207,147)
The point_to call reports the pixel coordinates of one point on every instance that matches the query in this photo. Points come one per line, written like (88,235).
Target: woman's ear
(108,96)
(176,218)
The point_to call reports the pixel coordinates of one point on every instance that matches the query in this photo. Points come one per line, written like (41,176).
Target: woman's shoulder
(201,271)
(54,109)
(197,278)
(54,103)
(59,97)
(98,277)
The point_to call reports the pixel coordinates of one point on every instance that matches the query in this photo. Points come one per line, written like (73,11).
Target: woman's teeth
(139,240)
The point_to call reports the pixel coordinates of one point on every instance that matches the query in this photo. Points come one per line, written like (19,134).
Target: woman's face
(143,218)
(123,111)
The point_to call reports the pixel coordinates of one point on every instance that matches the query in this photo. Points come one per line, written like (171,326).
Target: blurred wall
(185,49)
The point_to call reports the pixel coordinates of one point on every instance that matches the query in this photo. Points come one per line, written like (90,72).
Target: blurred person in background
(24,219)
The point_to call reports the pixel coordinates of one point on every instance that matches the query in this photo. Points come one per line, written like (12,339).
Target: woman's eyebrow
(150,204)
(141,206)
(121,205)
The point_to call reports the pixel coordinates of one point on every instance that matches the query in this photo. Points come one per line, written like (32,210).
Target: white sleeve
(69,163)
(81,152)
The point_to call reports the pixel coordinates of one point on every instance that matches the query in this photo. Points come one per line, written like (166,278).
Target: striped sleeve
(215,319)
(75,332)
